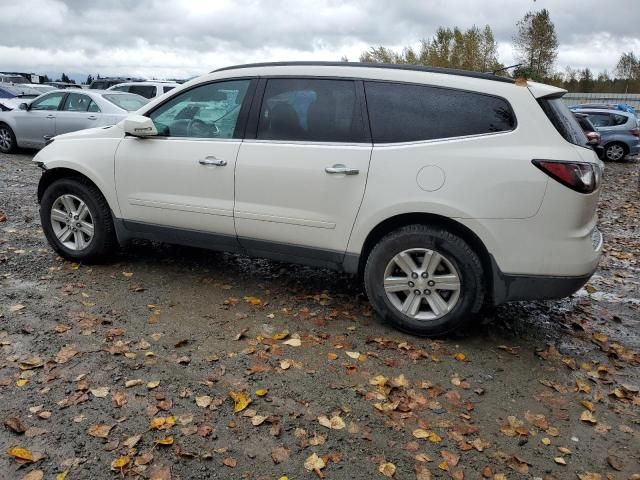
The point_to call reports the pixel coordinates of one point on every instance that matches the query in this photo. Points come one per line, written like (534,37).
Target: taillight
(581,177)
(635,132)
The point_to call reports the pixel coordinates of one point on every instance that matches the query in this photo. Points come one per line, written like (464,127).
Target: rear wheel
(615,151)
(76,220)
(424,280)
(7,139)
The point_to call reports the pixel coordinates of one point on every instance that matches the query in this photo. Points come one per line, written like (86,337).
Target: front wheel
(424,280)
(76,220)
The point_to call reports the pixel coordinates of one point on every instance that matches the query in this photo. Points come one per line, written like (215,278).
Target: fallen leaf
(354,355)
(34,475)
(99,430)
(20,453)
(387,469)
(253,300)
(119,463)
(230,462)
(153,384)
(204,401)
(133,383)
(279,455)
(16,308)
(159,472)
(100,392)
(132,441)
(261,392)
(168,440)
(588,417)
(293,342)
(560,461)
(314,463)
(334,423)
(241,401)
(14,424)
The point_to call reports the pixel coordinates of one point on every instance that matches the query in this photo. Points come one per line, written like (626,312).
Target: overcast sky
(182,38)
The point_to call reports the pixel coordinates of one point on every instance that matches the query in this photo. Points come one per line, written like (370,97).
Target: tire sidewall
(606,150)
(455,250)
(80,190)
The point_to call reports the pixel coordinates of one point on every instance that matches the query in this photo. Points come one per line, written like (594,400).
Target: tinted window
(207,111)
(601,119)
(147,91)
(50,101)
(166,89)
(126,101)
(93,107)
(76,102)
(406,113)
(121,88)
(564,121)
(311,110)
(619,120)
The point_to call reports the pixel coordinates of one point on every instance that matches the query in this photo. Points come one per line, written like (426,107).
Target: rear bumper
(510,288)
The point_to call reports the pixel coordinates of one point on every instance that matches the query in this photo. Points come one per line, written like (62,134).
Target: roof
(419,68)
(603,110)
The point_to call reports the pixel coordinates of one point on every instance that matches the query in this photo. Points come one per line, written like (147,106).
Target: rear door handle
(92,117)
(51,116)
(343,169)
(212,162)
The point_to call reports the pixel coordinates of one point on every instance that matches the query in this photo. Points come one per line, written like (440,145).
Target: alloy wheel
(422,283)
(72,222)
(5,139)
(615,152)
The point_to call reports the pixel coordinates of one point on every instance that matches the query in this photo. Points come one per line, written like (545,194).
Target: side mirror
(139,126)
(23,106)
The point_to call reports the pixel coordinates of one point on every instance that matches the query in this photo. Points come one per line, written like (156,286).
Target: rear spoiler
(541,90)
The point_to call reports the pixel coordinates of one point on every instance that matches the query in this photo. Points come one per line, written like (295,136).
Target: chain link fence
(573,98)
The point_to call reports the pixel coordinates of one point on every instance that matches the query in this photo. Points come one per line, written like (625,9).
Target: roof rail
(419,68)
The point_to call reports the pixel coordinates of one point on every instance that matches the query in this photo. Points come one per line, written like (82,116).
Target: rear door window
(146,91)
(76,102)
(601,119)
(406,113)
(311,110)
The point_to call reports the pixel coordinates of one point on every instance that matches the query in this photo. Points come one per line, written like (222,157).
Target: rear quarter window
(406,112)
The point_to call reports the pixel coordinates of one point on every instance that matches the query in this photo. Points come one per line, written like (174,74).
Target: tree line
(536,46)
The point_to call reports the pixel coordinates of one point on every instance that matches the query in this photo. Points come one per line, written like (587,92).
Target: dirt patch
(154,343)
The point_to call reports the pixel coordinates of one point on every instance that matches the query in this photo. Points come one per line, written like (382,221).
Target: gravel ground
(128,369)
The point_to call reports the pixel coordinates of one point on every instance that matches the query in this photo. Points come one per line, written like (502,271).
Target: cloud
(188,37)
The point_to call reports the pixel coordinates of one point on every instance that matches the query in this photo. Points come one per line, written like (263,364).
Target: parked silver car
(620,131)
(62,111)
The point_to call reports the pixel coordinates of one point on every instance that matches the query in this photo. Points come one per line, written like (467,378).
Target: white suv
(444,189)
(146,89)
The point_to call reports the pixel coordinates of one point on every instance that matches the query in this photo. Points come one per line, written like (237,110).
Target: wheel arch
(51,175)
(398,221)
(615,141)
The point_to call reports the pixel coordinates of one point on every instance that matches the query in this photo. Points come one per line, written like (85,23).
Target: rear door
(39,121)
(301,178)
(78,112)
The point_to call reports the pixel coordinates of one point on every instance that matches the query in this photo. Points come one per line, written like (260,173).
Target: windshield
(22,91)
(127,101)
(14,79)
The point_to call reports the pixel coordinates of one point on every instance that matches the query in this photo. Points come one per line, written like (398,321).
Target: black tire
(454,249)
(609,149)
(7,133)
(104,242)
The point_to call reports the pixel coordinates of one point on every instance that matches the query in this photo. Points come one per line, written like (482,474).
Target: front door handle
(212,162)
(92,117)
(51,116)
(343,169)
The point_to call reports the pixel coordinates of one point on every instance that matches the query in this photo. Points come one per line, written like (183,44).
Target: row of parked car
(612,129)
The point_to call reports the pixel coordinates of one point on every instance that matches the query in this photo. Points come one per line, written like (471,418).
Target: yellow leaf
(421,433)
(280,335)
(434,437)
(461,357)
(20,453)
(387,469)
(157,422)
(293,342)
(588,417)
(241,401)
(546,441)
(21,382)
(314,463)
(261,392)
(253,300)
(127,274)
(354,355)
(587,404)
(331,356)
(560,461)
(62,476)
(119,463)
(153,384)
(165,441)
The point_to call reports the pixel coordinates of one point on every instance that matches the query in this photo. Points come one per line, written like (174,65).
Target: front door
(300,181)
(35,125)
(183,179)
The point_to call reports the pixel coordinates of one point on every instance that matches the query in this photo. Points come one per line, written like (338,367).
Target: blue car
(619,129)
(12,95)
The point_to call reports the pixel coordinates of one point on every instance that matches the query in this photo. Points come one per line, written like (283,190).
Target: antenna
(506,68)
